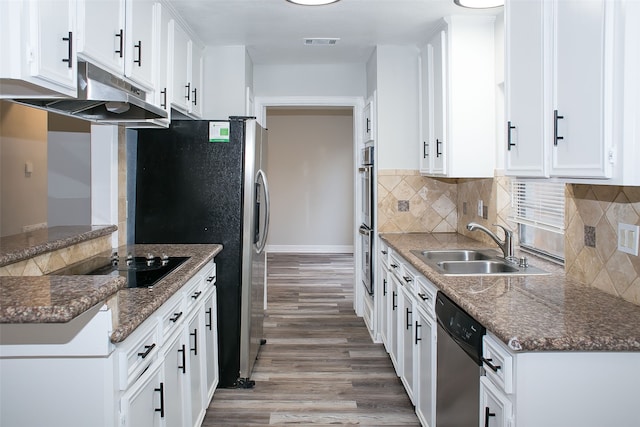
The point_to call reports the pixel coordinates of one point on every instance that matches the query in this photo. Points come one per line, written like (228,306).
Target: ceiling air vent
(320,41)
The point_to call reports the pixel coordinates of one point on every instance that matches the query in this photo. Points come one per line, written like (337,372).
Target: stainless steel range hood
(102,96)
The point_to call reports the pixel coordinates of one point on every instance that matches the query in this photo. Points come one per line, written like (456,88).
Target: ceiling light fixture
(479,4)
(312,2)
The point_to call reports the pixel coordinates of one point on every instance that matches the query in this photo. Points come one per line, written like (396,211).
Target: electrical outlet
(628,236)
(480,205)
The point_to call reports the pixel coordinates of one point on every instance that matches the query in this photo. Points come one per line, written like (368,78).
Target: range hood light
(479,4)
(312,2)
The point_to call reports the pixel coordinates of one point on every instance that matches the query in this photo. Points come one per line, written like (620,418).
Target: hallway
(319,365)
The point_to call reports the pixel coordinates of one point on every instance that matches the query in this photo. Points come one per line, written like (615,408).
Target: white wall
(23,138)
(310,171)
(309,80)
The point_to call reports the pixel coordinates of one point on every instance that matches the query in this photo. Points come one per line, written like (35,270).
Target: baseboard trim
(323,249)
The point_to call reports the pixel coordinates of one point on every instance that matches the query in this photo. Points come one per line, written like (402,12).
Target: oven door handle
(365,231)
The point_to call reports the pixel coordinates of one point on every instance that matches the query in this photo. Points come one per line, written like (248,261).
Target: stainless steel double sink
(473,262)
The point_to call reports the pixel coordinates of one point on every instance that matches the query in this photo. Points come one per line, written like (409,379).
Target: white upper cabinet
(121,36)
(101,36)
(526,87)
(582,88)
(563,65)
(458,99)
(37,38)
(142,44)
(186,55)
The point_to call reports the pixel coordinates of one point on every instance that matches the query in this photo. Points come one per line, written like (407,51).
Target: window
(538,208)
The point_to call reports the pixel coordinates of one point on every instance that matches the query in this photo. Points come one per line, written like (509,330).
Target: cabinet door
(181,87)
(163,18)
(425,367)
(367,125)
(211,343)
(425,67)
(197,353)
(52,47)
(195,107)
(582,41)
(175,375)
(526,89)
(101,37)
(141,42)
(143,403)
(406,340)
(385,301)
(393,321)
(495,406)
(438,72)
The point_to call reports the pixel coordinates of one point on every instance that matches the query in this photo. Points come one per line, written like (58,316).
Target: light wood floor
(319,365)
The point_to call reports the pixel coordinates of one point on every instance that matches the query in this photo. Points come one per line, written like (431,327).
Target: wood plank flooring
(319,365)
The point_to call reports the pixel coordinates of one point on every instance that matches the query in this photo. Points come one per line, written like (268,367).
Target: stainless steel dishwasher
(459,365)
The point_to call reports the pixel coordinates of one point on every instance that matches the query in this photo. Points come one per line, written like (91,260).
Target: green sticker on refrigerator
(218,131)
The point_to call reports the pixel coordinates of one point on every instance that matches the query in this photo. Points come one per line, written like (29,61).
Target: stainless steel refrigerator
(204,182)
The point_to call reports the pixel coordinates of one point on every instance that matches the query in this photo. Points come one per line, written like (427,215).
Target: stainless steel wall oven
(366,227)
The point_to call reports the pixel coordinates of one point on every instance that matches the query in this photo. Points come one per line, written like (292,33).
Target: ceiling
(273,30)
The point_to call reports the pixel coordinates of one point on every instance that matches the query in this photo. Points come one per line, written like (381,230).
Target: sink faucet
(506,246)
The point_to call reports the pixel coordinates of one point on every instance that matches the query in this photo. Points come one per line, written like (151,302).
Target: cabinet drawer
(498,363)
(383,255)
(171,315)
(395,266)
(194,292)
(408,278)
(137,352)
(209,275)
(426,295)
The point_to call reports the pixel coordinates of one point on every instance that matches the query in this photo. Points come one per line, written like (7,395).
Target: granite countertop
(530,313)
(19,247)
(59,299)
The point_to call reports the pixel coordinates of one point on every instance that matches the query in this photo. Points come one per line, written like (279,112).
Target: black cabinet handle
(211,279)
(438,144)
(184,359)
(139,47)
(120,36)
(393,301)
(188,95)
(493,367)
(175,317)
(196,295)
(509,143)
(423,297)
(425,149)
(393,265)
(384,287)
(161,408)
(556,137)
(384,252)
(195,96)
(194,334)
(418,326)
(69,40)
(407,279)
(487,414)
(209,313)
(409,312)
(148,349)
(163,104)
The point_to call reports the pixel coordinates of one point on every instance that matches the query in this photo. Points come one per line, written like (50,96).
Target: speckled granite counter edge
(595,341)
(50,246)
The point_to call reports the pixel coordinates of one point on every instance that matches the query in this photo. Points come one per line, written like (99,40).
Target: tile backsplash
(409,202)
(600,208)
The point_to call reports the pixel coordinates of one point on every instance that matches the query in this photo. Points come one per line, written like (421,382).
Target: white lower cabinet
(495,406)
(425,364)
(163,374)
(405,339)
(142,405)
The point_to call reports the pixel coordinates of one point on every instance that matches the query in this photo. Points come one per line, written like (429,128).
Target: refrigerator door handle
(262,234)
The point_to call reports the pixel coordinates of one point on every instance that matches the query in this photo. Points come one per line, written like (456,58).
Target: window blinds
(538,203)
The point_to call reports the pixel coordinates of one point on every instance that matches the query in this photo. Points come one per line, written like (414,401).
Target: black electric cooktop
(140,272)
